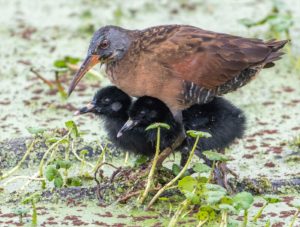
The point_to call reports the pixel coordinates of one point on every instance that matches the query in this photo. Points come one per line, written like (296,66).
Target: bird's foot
(221,172)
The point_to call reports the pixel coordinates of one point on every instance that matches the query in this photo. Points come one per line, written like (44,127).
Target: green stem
(34,215)
(224,219)
(294,218)
(245,222)
(48,151)
(67,155)
(202,222)
(101,158)
(152,170)
(259,213)
(178,212)
(5,175)
(80,159)
(181,173)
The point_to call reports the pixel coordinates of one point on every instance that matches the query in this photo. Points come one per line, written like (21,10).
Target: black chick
(112,104)
(220,118)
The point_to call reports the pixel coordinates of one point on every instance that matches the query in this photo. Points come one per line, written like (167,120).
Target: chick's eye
(105,100)
(104,44)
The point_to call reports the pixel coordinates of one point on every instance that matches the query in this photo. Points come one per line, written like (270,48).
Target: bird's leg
(182,135)
(221,172)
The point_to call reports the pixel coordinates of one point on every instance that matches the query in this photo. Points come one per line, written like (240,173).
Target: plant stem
(126,157)
(294,218)
(101,158)
(152,170)
(48,151)
(259,213)
(22,177)
(34,214)
(5,175)
(80,159)
(178,212)
(245,222)
(202,222)
(181,173)
(224,219)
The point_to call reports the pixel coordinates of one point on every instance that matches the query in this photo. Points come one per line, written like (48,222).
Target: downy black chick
(220,118)
(111,105)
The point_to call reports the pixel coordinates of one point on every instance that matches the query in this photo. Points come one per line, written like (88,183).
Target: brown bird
(179,64)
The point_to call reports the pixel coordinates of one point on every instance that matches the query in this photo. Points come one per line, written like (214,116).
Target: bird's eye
(143,112)
(104,44)
(105,100)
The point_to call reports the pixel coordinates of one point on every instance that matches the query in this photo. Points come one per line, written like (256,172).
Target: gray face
(109,43)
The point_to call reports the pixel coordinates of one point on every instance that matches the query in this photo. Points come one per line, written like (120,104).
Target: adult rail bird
(179,64)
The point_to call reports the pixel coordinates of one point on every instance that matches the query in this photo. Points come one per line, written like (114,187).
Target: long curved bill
(127,126)
(88,63)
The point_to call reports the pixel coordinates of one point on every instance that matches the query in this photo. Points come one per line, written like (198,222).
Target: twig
(48,82)
(5,175)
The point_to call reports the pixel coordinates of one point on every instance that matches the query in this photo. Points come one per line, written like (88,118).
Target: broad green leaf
(64,164)
(74,181)
(158,124)
(58,181)
(84,152)
(175,169)
(62,63)
(206,212)
(142,159)
(194,134)
(243,200)
(272,198)
(227,207)
(215,156)
(214,193)
(201,168)
(35,130)
(51,172)
(187,183)
(73,128)
(32,198)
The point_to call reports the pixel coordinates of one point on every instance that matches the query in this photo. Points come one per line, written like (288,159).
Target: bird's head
(109,44)
(109,101)
(145,111)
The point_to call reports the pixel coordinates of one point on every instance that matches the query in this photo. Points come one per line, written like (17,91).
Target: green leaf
(58,181)
(201,168)
(73,128)
(214,193)
(227,207)
(243,200)
(51,172)
(74,182)
(206,212)
(84,152)
(175,169)
(142,159)
(187,183)
(64,164)
(192,196)
(272,198)
(158,124)
(32,198)
(62,63)
(20,210)
(194,134)
(215,156)
(35,130)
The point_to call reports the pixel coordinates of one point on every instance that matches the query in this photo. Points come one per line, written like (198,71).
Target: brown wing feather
(205,58)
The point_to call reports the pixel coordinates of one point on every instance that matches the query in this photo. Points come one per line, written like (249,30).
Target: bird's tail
(275,54)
